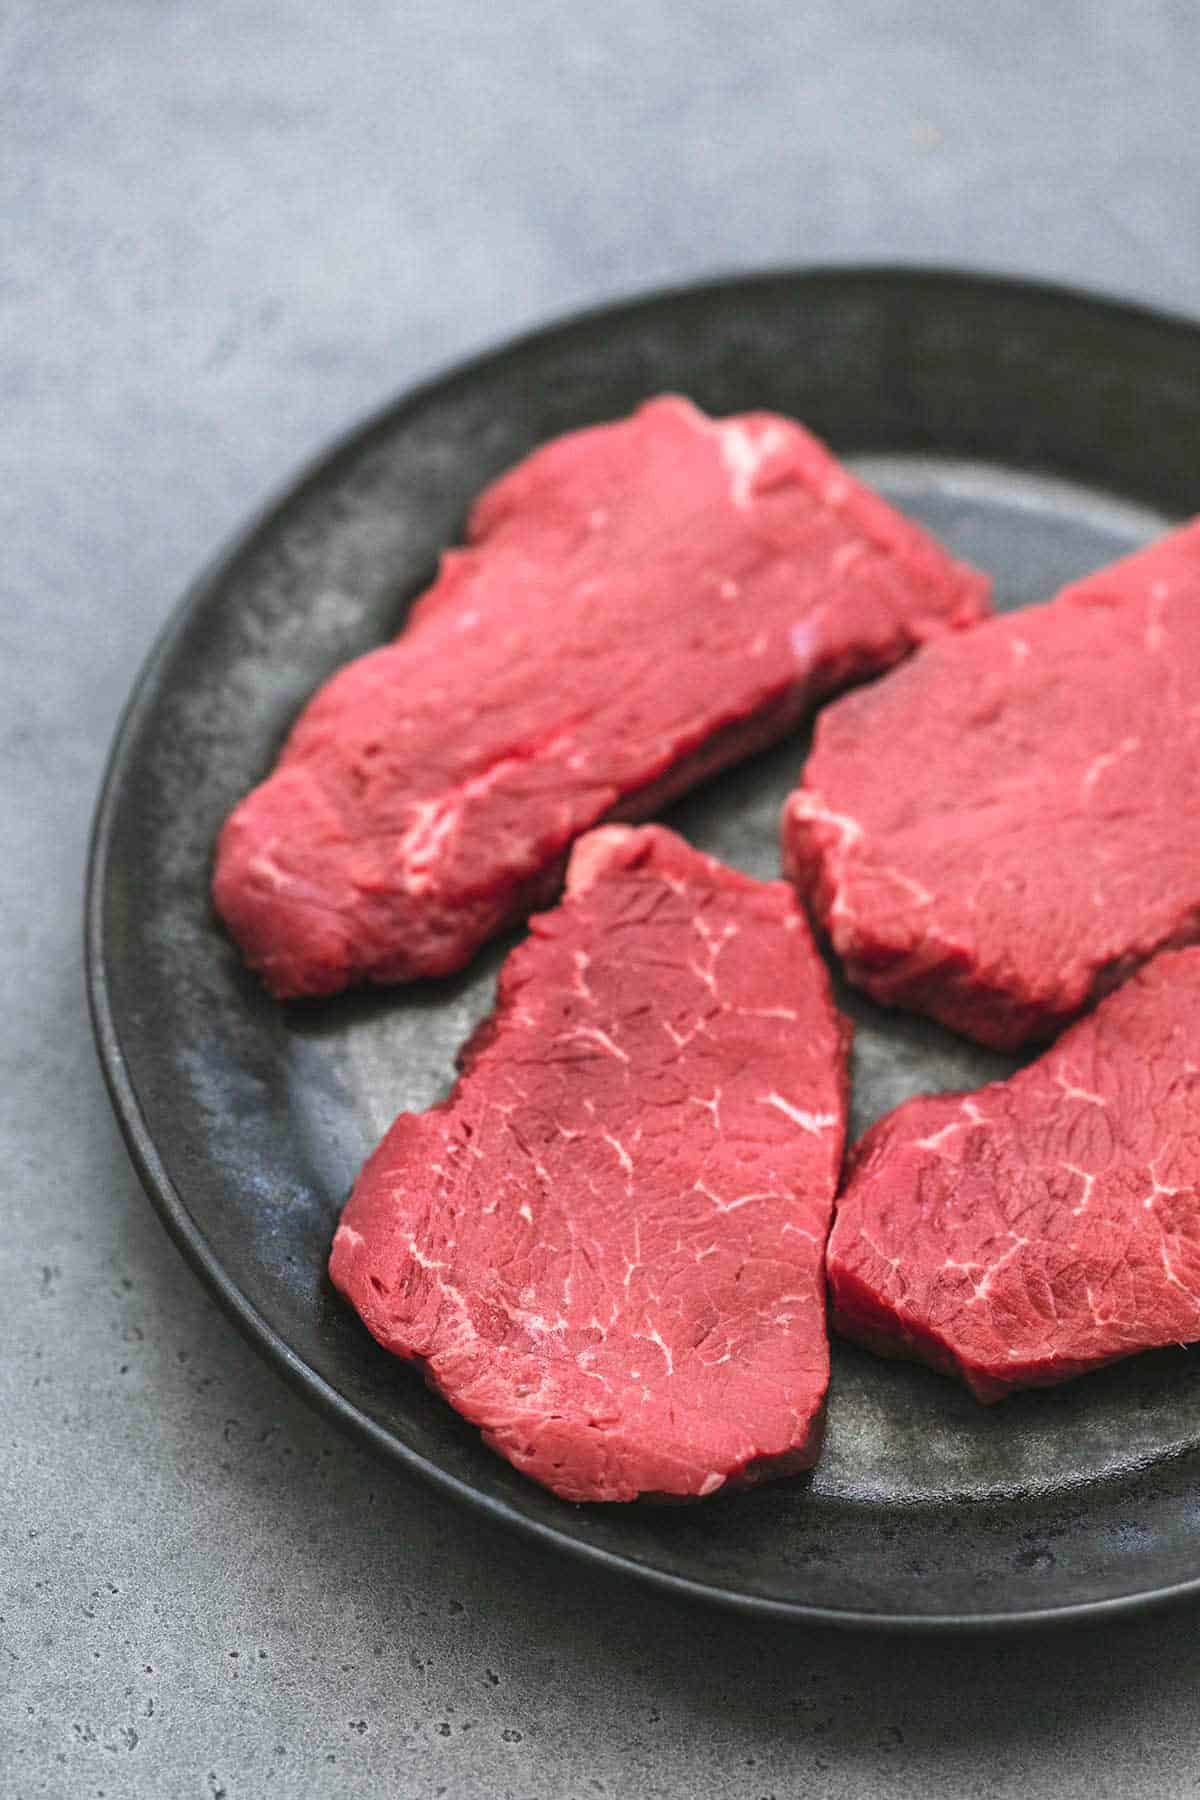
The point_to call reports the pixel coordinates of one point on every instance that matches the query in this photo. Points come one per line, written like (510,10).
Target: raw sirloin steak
(641,604)
(1044,1225)
(606,1247)
(1003,828)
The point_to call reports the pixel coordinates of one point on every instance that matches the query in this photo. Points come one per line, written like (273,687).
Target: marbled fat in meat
(640,604)
(1045,1225)
(606,1247)
(1001,829)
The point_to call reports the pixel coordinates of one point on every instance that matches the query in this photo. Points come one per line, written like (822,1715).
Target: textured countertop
(228,229)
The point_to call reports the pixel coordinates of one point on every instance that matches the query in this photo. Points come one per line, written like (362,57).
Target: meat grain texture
(1044,1225)
(639,605)
(606,1247)
(1003,828)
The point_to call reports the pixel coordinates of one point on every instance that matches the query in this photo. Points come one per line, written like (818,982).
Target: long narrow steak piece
(606,1247)
(641,604)
(1044,1225)
(1003,828)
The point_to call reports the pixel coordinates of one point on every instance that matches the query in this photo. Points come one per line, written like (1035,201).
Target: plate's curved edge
(356,436)
(312,1388)
(168,1201)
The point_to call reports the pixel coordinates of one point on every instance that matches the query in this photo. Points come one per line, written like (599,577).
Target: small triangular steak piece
(640,604)
(1044,1225)
(999,831)
(606,1247)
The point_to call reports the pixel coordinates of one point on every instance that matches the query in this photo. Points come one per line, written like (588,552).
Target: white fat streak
(419,846)
(743,453)
(1105,760)
(596,1036)
(654,1337)
(937,1138)
(1159,1190)
(1169,1271)
(1077,1093)
(812,1122)
(714,943)
(265,868)
(730,1206)
(713,1106)
(422,1261)
(583,963)
(982,1287)
(1089,1182)
(623,1156)
(434,821)
(808,807)
(681,1039)
(982,1283)
(632,1264)
(920,896)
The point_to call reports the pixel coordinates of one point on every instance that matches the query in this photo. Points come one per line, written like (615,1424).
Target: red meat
(1006,826)
(641,604)
(606,1247)
(1047,1224)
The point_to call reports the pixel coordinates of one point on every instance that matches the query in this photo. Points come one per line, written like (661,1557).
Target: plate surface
(1039,433)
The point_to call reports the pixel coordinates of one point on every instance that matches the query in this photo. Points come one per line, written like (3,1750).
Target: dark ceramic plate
(1039,433)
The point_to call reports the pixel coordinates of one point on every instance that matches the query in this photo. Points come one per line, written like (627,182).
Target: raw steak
(642,603)
(1006,826)
(1046,1224)
(606,1247)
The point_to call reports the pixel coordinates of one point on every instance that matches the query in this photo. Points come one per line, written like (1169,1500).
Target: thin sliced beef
(1000,830)
(641,604)
(606,1247)
(1044,1225)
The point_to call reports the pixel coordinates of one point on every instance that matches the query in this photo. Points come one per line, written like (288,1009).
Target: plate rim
(164,1194)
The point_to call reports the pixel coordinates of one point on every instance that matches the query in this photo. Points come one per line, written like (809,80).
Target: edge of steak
(606,1247)
(1045,1225)
(640,605)
(1001,830)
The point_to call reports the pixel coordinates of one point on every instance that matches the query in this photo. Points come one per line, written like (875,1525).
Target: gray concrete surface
(227,229)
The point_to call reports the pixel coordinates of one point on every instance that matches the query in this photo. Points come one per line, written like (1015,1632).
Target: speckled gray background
(227,229)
